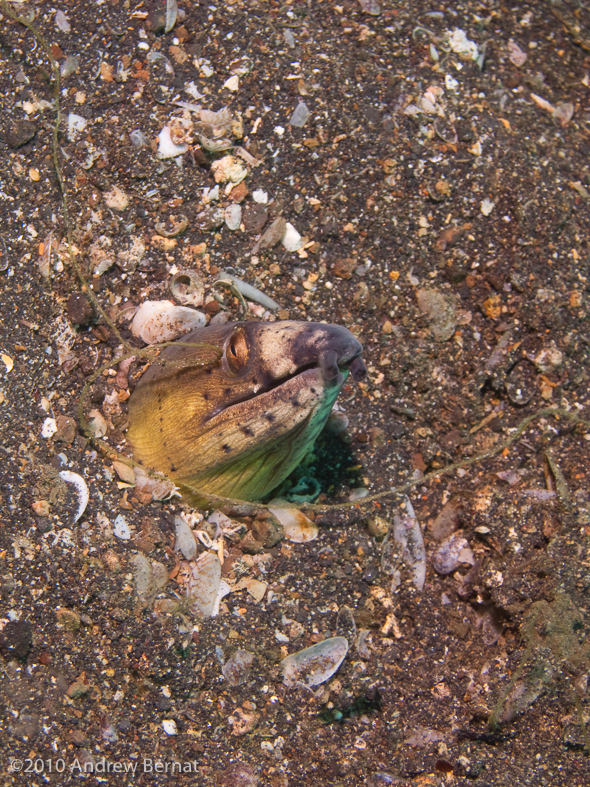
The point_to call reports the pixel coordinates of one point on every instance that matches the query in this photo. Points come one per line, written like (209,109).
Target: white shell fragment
(81,489)
(462,45)
(169,727)
(121,529)
(204,586)
(76,125)
(163,321)
(291,239)
(166,147)
(487,206)
(233,83)
(316,664)
(185,539)
(548,359)
(49,428)
(407,532)
(297,526)
(453,551)
(62,22)
(250,292)
(171,15)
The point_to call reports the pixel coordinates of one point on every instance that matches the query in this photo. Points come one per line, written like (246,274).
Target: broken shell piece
(166,147)
(291,239)
(116,198)
(316,664)
(185,539)
(453,551)
(163,321)
(76,125)
(255,587)
(233,83)
(250,292)
(49,428)
(121,528)
(214,145)
(97,426)
(150,576)
(272,235)
(548,359)
(241,66)
(125,472)
(296,525)
(81,490)
(407,533)
(364,647)
(204,586)
(41,507)
(260,196)
(181,130)
(188,288)
(229,169)
(169,727)
(173,226)
(153,488)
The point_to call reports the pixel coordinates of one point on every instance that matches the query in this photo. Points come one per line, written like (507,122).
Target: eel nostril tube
(358,369)
(329,364)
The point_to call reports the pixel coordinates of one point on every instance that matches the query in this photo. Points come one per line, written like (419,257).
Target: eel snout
(358,369)
(330,367)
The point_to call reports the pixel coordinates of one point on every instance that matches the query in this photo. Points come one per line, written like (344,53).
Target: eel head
(231,410)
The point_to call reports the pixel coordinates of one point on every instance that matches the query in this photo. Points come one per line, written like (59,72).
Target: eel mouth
(329,371)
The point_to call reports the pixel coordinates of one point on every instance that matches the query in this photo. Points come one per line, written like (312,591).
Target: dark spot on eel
(227,448)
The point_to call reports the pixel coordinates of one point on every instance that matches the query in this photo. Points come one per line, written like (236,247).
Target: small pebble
(233,216)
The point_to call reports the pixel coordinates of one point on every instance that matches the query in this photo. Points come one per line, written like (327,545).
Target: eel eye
(237,352)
